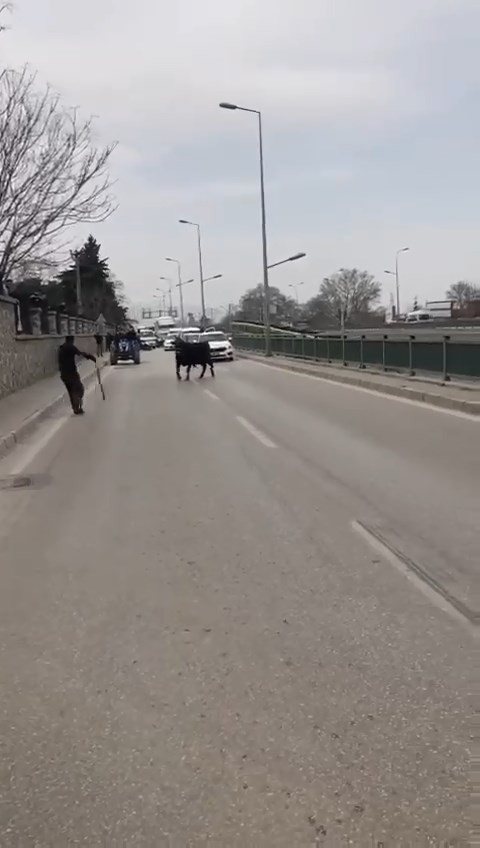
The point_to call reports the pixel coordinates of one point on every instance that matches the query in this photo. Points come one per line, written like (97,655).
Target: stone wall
(25,359)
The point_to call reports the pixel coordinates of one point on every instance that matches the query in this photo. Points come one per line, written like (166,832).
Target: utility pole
(78,280)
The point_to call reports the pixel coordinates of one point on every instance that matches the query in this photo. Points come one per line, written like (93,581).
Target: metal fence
(447,356)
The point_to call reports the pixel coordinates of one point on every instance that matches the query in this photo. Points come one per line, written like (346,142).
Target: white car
(169,343)
(220,346)
(148,341)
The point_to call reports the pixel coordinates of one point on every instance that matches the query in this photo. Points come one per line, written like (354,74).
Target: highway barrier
(444,355)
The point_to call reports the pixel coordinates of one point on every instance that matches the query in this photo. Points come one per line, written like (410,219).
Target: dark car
(125,348)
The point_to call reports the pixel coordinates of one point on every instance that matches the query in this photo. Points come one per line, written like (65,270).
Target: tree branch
(52,176)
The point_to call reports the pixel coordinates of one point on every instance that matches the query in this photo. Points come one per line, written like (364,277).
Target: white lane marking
(434,596)
(419,404)
(257,434)
(30,452)
(211,395)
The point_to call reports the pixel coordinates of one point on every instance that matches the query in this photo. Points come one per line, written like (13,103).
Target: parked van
(419,315)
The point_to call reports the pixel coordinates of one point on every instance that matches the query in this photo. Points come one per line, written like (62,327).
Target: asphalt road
(200,644)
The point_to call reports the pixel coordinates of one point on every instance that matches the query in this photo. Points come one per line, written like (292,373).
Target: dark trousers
(75,389)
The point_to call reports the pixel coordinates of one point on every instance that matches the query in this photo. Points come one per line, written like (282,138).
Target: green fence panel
(309,348)
(373,352)
(322,351)
(298,347)
(352,350)
(277,344)
(463,359)
(396,354)
(286,348)
(335,349)
(254,342)
(428,355)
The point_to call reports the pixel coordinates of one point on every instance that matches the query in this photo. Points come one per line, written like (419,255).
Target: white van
(419,315)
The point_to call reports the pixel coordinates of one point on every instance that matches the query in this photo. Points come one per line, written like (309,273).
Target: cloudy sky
(371,122)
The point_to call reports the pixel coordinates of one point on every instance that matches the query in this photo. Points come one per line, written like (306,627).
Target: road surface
(208,634)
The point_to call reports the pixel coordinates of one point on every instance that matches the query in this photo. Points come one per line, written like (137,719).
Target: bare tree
(52,176)
(349,293)
(463,292)
(4,7)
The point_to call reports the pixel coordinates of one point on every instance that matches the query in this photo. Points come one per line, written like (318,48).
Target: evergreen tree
(99,294)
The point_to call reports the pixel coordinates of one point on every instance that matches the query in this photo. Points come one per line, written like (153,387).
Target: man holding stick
(67,352)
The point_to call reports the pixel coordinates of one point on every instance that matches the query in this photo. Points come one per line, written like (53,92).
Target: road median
(452,395)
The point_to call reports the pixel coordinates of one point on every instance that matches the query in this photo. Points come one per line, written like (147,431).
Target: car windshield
(215,337)
(191,337)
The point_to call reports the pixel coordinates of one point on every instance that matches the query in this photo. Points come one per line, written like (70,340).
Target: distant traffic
(193,343)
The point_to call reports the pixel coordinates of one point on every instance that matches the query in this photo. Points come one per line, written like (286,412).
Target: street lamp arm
(289,259)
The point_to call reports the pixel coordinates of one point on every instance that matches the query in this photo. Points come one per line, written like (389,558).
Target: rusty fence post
(362,361)
(446,377)
(411,340)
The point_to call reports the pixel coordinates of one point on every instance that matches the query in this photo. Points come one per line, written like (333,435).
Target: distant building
(469,311)
(440,309)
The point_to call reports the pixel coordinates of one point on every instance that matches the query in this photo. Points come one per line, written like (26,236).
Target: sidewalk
(463,397)
(22,411)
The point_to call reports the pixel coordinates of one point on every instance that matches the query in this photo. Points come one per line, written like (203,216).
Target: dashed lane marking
(211,395)
(257,434)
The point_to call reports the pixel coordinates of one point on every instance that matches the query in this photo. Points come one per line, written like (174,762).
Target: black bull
(188,354)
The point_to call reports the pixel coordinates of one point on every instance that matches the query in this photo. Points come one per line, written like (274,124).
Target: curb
(470,407)
(29,424)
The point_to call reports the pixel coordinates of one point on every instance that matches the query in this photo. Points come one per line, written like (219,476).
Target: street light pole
(179,285)
(200,263)
(170,304)
(266,289)
(78,280)
(200,268)
(295,287)
(397,282)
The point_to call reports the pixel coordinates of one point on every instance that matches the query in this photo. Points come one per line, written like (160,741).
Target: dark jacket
(66,358)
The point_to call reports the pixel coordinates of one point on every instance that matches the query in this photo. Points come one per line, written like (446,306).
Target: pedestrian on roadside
(99,341)
(67,352)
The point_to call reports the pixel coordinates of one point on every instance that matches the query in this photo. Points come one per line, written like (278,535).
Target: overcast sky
(371,123)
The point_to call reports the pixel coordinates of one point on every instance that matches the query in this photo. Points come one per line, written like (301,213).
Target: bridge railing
(444,355)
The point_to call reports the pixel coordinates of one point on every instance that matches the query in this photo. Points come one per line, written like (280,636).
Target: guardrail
(447,356)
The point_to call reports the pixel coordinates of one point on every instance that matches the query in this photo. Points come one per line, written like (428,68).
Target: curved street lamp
(266,316)
(200,265)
